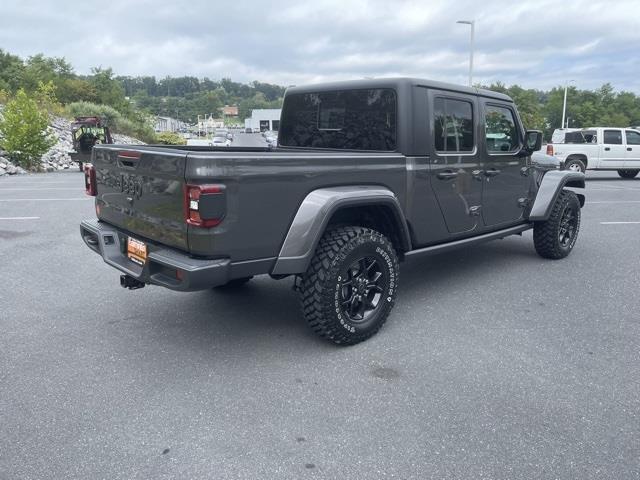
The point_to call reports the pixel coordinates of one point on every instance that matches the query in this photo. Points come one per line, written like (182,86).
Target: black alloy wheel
(362,285)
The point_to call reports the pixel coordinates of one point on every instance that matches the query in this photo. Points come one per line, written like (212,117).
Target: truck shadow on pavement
(263,313)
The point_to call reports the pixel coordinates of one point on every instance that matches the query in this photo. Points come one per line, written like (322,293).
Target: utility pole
(564,104)
(471,23)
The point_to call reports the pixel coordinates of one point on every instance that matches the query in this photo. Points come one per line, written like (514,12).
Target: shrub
(139,127)
(24,131)
(109,115)
(170,138)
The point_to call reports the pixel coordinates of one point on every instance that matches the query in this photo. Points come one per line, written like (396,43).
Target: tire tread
(545,234)
(313,291)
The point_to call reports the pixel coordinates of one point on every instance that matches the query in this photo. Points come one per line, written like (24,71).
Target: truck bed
(141,190)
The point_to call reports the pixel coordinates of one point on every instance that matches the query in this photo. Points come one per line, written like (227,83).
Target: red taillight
(90,186)
(213,198)
(549,149)
(129,155)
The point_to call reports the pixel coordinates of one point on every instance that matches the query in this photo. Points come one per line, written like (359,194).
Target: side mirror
(533,140)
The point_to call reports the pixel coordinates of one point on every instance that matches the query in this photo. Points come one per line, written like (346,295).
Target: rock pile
(57,158)
(8,168)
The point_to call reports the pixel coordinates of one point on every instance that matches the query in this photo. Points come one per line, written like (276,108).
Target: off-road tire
(628,173)
(322,286)
(576,163)
(547,235)
(233,284)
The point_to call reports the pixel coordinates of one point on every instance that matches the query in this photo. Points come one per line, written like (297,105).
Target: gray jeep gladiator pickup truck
(365,174)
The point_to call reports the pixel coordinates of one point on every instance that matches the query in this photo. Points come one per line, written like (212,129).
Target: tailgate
(141,189)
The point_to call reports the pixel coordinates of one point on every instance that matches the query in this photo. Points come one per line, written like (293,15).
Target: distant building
(168,124)
(264,119)
(230,111)
(209,124)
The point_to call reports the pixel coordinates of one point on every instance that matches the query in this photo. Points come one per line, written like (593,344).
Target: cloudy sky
(534,43)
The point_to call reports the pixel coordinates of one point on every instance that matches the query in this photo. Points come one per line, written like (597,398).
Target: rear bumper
(165,266)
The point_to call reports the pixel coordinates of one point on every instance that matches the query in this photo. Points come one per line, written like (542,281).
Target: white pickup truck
(598,149)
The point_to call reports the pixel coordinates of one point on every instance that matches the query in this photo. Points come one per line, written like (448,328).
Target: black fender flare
(552,184)
(314,214)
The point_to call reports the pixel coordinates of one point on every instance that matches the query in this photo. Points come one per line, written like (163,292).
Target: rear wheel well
(377,217)
(578,156)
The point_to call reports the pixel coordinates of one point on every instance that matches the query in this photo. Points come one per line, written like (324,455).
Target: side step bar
(466,242)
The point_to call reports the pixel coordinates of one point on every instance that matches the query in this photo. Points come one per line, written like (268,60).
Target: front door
(454,160)
(612,149)
(506,174)
(632,159)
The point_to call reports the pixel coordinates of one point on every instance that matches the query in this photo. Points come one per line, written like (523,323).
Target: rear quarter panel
(265,191)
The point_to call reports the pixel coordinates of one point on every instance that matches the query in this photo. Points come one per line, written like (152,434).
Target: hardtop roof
(396,83)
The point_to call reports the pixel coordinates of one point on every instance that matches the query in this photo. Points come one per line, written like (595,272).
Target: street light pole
(564,103)
(471,23)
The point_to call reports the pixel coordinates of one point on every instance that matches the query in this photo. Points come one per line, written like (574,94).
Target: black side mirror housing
(533,140)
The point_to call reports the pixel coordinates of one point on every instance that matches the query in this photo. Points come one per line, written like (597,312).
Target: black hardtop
(397,83)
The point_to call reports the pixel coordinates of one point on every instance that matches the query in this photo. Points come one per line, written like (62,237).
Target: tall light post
(564,103)
(472,23)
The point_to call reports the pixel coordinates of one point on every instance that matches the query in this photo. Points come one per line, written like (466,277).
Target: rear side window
(612,137)
(633,138)
(590,136)
(453,125)
(342,119)
(500,128)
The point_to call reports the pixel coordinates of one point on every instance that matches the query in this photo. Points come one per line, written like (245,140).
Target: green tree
(11,72)
(108,89)
(25,131)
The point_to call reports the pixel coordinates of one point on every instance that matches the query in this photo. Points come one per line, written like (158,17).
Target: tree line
(131,102)
(542,110)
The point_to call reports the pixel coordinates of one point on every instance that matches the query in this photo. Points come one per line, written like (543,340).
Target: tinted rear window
(343,119)
(613,137)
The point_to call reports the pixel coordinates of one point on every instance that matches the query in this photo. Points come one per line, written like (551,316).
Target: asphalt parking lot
(494,364)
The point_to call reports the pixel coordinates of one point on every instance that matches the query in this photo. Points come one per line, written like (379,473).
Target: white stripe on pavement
(43,199)
(614,201)
(19,218)
(70,187)
(619,223)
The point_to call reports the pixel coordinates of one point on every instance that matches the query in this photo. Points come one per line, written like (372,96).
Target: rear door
(506,183)
(632,159)
(454,159)
(612,149)
(142,191)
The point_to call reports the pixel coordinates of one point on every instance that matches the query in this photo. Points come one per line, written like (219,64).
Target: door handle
(606,149)
(447,175)
(524,171)
(477,175)
(629,149)
(492,172)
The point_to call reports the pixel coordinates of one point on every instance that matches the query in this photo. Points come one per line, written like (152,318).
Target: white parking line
(610,187)
(42,199)
(614,201)
(19,218)
(37,182)
(619,223)
(71,187)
